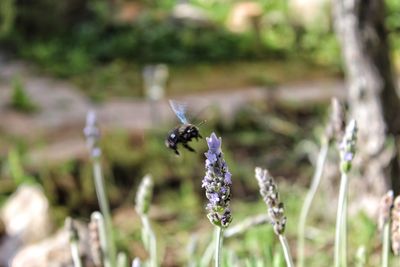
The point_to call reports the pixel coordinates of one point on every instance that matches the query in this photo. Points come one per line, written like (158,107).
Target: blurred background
(261,73)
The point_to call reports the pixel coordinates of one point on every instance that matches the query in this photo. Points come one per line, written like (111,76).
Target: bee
(183,133)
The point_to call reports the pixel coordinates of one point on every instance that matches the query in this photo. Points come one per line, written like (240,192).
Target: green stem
(340,223)
(360,257)
(152,243)
(122,260)
(105,210)
(99,219)
(218,248)
(385,244)
(309,199)
(286,251)
(75,253)
(343,233)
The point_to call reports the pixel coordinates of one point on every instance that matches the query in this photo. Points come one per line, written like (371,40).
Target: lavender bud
(384,209)
(347,147)
(144,195)
(136,262)
(95,243)
(92,134)
(217,183)
(395,232)
(269,192)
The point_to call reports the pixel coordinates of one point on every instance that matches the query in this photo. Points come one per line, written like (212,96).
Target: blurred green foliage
(7,16)
(17,172)
(20,100)
(74,36)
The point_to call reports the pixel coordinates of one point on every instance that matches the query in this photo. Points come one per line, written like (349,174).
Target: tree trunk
(372,96)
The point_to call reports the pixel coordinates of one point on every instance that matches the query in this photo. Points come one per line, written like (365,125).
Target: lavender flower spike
(348,146)
(92,134)
(217,183)
(395,231)
(269,192)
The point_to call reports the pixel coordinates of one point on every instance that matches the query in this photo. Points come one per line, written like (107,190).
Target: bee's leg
(188,147)
(199,135)
(177,152)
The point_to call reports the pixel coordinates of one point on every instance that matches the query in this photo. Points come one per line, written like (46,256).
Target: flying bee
(183,133)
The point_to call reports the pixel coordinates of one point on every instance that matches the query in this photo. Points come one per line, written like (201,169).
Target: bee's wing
(179,109)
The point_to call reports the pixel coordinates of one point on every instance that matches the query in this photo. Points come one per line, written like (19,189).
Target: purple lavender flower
(92,134)
(347,147)
(214,144)
(217,184)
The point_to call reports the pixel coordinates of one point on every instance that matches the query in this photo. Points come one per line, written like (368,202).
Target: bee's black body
(183,134)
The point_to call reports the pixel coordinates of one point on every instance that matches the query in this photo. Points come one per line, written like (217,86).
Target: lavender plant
(361,257)
(95,243)
(122,260)
(347,151)
(92,134)
(98,238)
(276,211)
(334,131)
(143,200)
(395,229)
(136,263)
(384,225)
(73,242)
(217,184)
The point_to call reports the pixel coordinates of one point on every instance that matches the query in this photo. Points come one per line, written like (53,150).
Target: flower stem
(340,234)
(286,251)
(385,244)
(309,199)
(75,254)
(343,232)
(105,210)
(218,248)
(122,260)
(360,257)
(151,238)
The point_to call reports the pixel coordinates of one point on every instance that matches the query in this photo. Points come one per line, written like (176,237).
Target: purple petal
(205,182)
(96,152)
(214,143)
(348,156)
(213,197)
(212,158)
(91,118)
(227,178)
